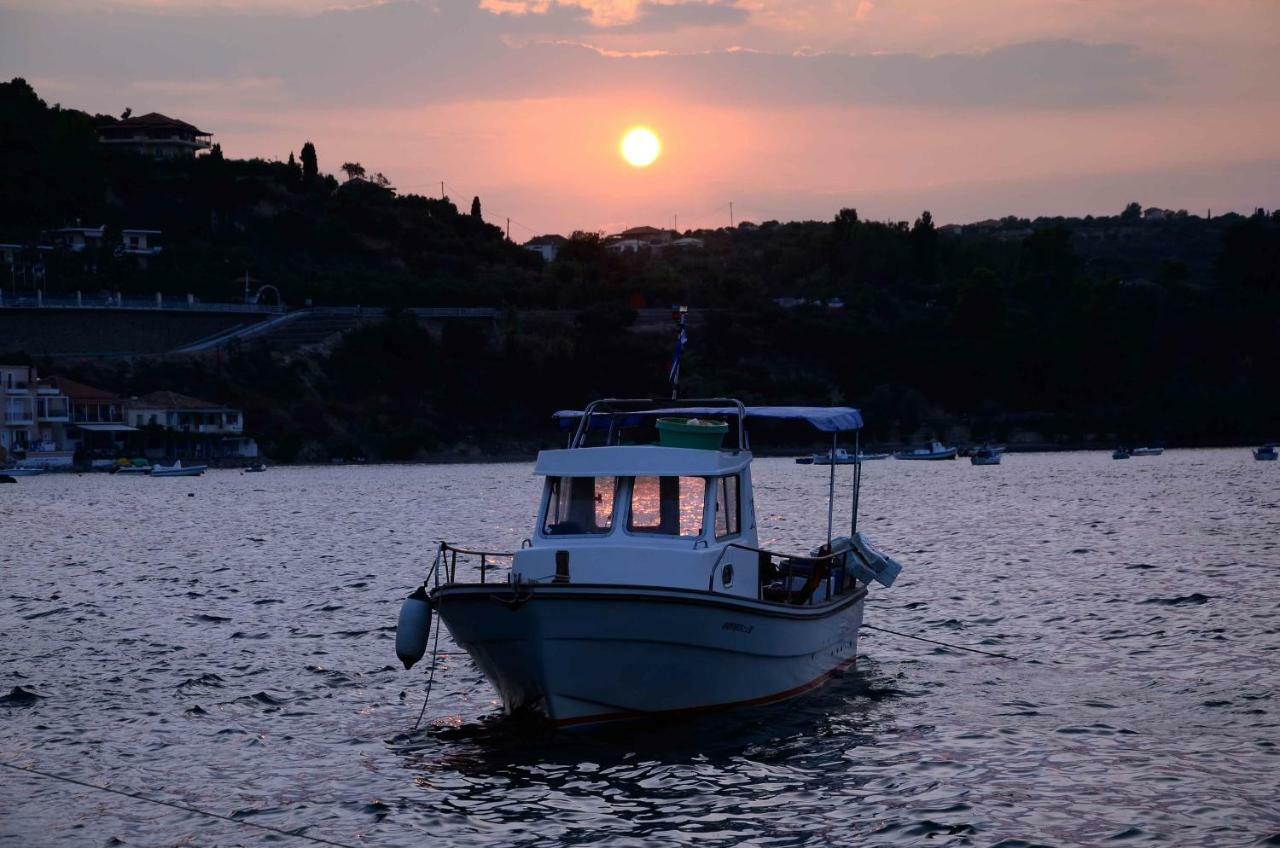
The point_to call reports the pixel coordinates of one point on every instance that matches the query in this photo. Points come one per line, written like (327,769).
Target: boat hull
(946,454)
(582,654)
(22,472)
(193,471)
(985,460)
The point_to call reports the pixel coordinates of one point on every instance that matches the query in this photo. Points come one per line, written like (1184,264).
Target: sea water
(226,642)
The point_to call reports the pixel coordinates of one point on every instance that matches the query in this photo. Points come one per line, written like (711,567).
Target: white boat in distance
(1266,453)
(643,590)
(936,450)
(178,470)
(1146,451)
(842,457)
(21,471)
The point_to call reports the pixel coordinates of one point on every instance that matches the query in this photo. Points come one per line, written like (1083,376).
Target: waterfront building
(98,429)
(35,421)
(184,426)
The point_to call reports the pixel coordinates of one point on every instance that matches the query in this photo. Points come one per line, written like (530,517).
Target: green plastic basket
(696,433)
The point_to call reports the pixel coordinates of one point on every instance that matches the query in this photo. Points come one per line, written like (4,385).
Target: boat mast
(857,481)
(831,488)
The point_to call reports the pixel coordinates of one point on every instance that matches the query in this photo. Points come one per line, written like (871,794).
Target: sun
(640,147)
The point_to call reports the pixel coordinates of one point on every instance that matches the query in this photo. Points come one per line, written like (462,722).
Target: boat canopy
(640,461)
(828,419)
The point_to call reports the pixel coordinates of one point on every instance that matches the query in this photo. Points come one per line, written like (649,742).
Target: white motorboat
(643,590)
(21,471)
(935,450)
(1146,451)
(840,457)
(178,470)
(1266,453)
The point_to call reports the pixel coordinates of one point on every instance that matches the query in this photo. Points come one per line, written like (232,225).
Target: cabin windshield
(670,506)
(579,506)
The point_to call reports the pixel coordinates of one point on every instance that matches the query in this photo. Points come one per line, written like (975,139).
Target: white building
(35,419)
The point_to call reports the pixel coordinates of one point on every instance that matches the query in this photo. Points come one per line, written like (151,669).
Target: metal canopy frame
(613,407)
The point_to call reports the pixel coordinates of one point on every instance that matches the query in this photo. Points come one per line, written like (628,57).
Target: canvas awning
(827,419)
(107,428)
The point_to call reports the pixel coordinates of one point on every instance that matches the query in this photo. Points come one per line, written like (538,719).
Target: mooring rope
(177,806)
(435,658)
(943,644)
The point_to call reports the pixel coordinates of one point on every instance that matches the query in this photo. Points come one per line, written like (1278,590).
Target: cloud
(416,53)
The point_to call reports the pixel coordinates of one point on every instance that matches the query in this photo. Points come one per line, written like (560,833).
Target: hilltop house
(548,246)
(182,426)
(36,415)
(77,239)
(155,135)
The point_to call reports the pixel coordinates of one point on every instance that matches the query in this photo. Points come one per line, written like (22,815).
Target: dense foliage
(1135,326)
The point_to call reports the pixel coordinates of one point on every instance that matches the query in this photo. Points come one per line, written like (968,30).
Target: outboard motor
(413,627)
(879,566)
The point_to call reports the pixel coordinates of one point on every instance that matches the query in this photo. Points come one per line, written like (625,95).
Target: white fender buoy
(413,628)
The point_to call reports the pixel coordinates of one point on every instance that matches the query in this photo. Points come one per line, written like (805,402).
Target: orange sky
(790,109)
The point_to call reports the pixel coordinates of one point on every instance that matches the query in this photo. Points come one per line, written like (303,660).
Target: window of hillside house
(670,506)
(728,507)
(579,505)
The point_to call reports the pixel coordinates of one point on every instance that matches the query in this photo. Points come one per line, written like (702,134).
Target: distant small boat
(1120,453)
(257,467)
(804,460)
(985,456)
(1146,451)
(840,457)
(935,450)
(1266,453)
(22,472)
(178,470)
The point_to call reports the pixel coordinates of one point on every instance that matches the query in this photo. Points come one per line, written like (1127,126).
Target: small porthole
(726,574)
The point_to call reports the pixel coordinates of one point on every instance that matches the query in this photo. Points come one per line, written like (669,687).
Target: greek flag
(675,360)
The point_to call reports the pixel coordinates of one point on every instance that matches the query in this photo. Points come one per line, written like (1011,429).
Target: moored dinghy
(935,450)
(644,590)
(1266,453)
(178,470)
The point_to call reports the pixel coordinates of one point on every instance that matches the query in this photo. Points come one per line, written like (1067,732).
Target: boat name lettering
(740,628)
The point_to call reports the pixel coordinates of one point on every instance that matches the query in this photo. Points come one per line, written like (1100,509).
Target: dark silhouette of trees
(475,208)
(353,170)
(310,167)
(1132,212)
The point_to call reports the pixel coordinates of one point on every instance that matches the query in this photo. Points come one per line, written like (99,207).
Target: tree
(475,208)
(353,170)
(1132,212)
(215,153)
(124,116)
(310,168)
(380,179)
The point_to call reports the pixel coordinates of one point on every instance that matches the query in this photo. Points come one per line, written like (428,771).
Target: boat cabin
(662,514)
(638,514)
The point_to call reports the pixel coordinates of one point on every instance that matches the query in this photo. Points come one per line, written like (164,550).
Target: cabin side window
(669,506)
(579,505)
(728,506)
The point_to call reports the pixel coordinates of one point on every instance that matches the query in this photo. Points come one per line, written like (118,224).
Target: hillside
(1140,325)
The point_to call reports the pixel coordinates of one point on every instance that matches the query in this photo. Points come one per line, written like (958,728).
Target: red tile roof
(154,121)
(173,400)
(78,391)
